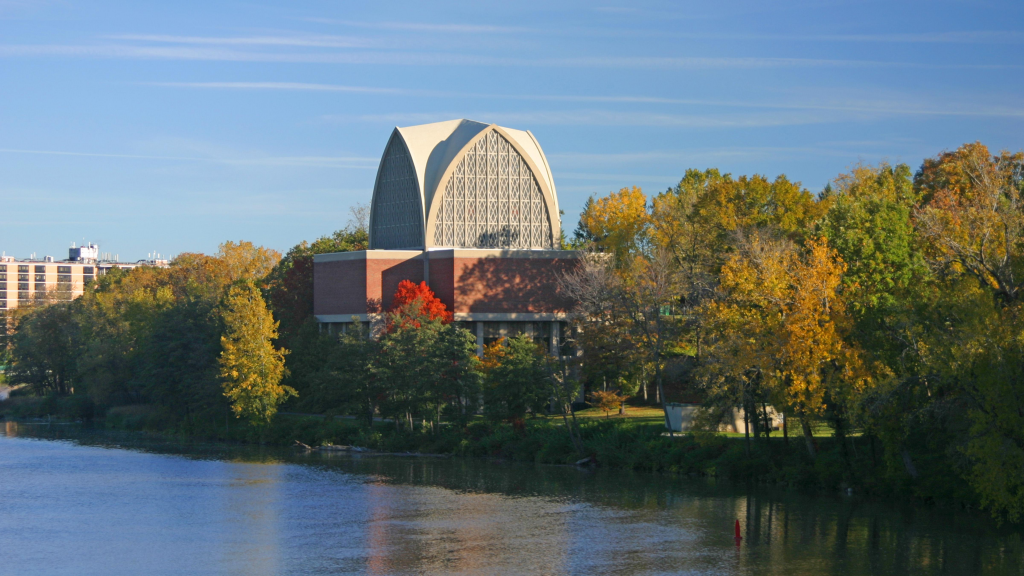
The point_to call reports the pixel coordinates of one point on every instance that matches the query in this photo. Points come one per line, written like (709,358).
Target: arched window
(396,217)
(492,200)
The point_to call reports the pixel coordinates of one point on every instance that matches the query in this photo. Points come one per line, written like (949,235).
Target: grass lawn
(638,414)
(654,415)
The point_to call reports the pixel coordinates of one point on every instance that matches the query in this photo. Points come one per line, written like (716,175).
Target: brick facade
(474,284)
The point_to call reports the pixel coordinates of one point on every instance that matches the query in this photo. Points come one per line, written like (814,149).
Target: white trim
(460,317)
(367,255)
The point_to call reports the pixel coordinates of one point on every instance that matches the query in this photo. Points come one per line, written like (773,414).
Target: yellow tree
(251,368)
(626,296)
(246,261)
(973,216)
(782,322)
(618,222)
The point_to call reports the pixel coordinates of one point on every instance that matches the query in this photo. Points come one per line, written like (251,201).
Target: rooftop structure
(463,184)
(470,209)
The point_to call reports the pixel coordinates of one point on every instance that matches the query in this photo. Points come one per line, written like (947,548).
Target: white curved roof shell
(463,184)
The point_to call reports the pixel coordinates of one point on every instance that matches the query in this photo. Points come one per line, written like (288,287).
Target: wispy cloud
(191,52)
(306,161)
(427,27)
(602,118)
(860,105)
(286,86)
(698,156)
(315,41)
(954,37)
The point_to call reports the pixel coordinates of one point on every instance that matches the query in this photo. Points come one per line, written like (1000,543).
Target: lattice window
(493,200)
(397,216)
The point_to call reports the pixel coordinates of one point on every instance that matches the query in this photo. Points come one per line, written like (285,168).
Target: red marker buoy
(738,537)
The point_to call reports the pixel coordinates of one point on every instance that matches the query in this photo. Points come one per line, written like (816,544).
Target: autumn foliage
(413,302)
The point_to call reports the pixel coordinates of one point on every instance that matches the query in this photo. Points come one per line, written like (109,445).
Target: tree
(426,365)
(617,223)
(606,401)
(250,366)
(412,302)
(290,284)
(781,323)
(516,379)
(45,349)
(246,261)
(972,224)
(973,216)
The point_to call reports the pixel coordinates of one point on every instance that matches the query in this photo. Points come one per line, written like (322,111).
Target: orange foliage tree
(415,301)
(783,325)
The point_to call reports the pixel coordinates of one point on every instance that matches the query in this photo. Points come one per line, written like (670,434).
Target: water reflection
(164,507)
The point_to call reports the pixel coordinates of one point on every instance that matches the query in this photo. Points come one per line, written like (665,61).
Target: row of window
(542,333)
(40,289)
(41,269)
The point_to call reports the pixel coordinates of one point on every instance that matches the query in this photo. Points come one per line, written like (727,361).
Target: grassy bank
(636,442)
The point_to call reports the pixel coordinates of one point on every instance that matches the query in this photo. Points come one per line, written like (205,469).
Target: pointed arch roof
(433,148)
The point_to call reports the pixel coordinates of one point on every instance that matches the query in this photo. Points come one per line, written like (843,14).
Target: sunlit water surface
(80,502)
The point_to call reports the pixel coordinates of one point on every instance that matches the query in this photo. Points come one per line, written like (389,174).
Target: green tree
(250,366)
(290,283)
(45,349)
(517,379)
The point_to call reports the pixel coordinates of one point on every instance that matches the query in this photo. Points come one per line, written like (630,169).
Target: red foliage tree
(413,301)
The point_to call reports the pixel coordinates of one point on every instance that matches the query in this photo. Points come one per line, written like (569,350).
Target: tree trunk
(661,394)
(785,430)
(908,463)
(808,437)
(746,429)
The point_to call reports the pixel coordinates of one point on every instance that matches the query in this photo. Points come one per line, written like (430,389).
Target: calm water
(74,502)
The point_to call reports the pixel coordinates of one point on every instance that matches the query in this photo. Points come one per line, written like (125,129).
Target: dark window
(565,338)
(40,277)
(64,278)
(22,285)
(87,278)
(3,294)
(40,269)
(87,270)
(3,303)
(24,295)
(542,335)
(22,267)
(22,277)
(63,269)
(515,329)
(3,267)
(492,332)
(3,276)
(40,287)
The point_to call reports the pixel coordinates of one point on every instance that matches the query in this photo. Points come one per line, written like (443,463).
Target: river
(80,502)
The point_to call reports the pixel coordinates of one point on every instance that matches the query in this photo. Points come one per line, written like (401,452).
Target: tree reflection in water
(208,508)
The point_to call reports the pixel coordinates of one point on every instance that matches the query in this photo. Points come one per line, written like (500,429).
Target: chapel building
(470,209)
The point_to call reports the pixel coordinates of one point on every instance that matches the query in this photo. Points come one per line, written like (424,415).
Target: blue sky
(173,126)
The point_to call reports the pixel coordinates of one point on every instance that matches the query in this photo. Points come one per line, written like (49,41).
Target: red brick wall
(506,285)
(442,280)
(339,287)
(387,274)
(492,284)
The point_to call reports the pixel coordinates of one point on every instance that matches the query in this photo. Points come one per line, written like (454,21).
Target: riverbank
(855,464)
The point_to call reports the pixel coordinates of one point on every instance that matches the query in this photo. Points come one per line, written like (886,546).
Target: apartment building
(33,281)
